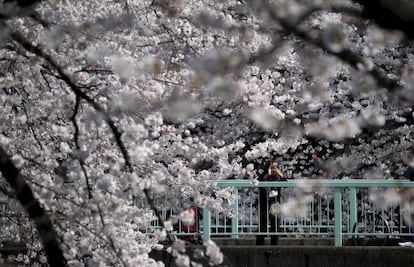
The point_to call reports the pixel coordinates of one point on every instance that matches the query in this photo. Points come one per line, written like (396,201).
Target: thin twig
(76,141)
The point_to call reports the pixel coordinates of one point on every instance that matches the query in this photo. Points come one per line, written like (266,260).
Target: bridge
(321,209)
(353,210)
(320,222)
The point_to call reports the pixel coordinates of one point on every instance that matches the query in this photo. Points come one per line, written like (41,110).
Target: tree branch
(22,3)
(79,93)
(48,235)
(76,140)
(387,17)
(346,55)
(76,90)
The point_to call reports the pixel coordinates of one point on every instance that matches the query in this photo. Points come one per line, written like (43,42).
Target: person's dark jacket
(409,173)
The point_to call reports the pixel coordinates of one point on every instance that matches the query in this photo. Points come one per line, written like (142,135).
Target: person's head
(273,167)
(411,161)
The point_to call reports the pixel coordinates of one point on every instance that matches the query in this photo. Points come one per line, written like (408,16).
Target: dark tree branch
(77,91)
(23,8)
(48,235)
(22,3)
(37,17)
(6,190)
(76,141)
(385,17)
(345,55)
(74,122)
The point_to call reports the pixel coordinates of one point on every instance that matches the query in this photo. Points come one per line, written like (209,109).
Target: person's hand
(269,171)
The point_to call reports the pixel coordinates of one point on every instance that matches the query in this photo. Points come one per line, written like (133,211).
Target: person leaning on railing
(268,199)
(409,174)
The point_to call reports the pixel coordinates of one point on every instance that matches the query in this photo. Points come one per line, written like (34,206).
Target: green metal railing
(348,197)
(333,208)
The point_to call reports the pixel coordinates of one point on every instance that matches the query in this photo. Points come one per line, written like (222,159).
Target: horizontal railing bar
(331,234)
(315,226)
(367,234)
(180,234)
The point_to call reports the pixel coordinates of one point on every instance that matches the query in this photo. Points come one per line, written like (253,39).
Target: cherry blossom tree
(106,101)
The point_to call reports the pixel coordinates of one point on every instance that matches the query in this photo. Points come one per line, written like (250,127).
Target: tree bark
(47,233)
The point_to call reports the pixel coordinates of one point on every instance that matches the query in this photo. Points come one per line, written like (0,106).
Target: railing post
(338,216)
(206,225)
(235,219)
(353,216)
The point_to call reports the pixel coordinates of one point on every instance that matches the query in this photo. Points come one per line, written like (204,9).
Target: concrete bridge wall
(311,256)
(316,255)
(319,256)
